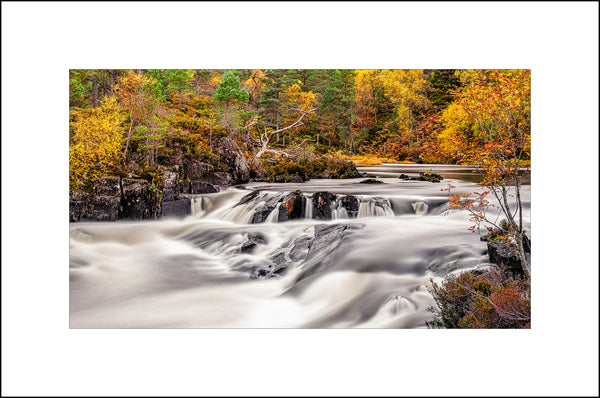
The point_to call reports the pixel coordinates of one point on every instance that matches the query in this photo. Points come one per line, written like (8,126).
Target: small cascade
(338,210)
(375,208)
(339,213)
(200,205)
(420,208)
(308,210)
(241,214)
(366,209)
(274,215)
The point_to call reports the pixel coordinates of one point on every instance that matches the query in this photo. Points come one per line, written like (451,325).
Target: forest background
(127,121)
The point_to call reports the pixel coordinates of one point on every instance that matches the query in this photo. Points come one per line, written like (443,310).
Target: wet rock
(233,158)
(430,176)
(325,234)
(261,213)
(176,208)
(253,239)
(323,205)
(300,248)
(247,198)
(269,271)
(292,207)
(371,181)
(423,176)
(351,204)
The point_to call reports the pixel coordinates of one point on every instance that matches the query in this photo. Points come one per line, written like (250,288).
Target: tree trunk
(94,89)
(197,82)
(410,137)
(112,81)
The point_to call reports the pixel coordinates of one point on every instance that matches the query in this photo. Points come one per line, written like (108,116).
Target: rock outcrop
(351,204)
(323,205)
(233,158)
(292,207)
(114,198)
(502,252)
(423,176)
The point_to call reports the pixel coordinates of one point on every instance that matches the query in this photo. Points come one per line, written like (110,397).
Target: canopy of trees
(130,119)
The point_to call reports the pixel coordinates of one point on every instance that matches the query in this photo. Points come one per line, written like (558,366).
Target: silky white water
(217,269)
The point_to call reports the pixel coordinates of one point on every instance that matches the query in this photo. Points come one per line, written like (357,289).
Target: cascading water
(420,208)
(234,263)
(308,211)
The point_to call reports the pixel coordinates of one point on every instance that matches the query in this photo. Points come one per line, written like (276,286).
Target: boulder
(247,198)
(423,176)
(202,187)
(351,204)
(78,204)
(502,252)
(323,205)
(88,207)
(196,170)
(253,239)
(292,206)
(222,178)
(103,208)
(231,156)
(171,183)
(371,181)
(176,208)
(297,178)
(136,201)
(261,213)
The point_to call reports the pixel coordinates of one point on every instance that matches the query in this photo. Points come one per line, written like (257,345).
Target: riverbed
(217,269)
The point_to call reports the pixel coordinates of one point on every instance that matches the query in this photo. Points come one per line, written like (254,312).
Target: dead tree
(263,142)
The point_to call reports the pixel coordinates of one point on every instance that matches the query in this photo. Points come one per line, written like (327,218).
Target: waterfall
(274,215)
(375,208)
(308,211)
(200,205)
(366,209)
(241,214)
(420,208)
(340,212)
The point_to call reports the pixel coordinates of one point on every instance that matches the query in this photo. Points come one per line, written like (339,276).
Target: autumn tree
(494,135)
(96,139)
(407,91)
(135,92)
(270,105)
(231,97)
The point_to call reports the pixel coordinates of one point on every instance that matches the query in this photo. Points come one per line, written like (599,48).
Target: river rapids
(221,268)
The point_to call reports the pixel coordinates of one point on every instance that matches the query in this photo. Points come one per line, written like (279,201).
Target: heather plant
(490,300)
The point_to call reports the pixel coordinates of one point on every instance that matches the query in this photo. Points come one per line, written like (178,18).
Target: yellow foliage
(456,132)
(95,143)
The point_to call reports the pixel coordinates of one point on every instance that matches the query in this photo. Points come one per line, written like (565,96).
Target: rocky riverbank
(166,190)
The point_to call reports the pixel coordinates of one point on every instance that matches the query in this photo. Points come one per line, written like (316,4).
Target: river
(216,269)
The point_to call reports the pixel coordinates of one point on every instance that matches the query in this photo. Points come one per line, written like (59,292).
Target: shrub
(491,300)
